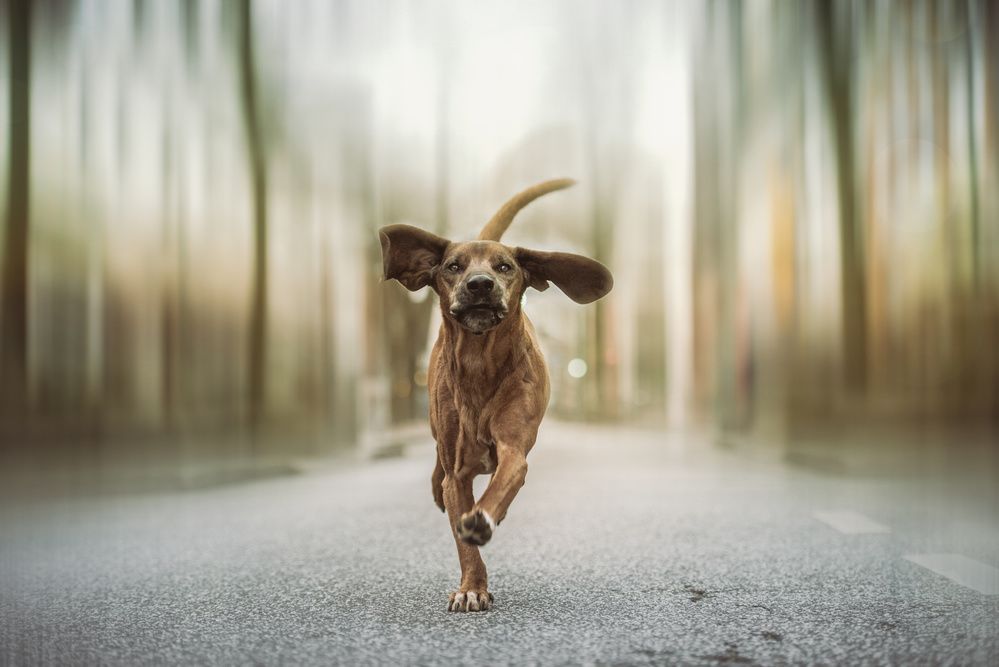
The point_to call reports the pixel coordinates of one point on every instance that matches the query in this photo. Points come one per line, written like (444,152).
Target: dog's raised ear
(583,280)
(411,255)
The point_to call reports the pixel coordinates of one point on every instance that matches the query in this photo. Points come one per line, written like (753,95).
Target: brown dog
(487,379)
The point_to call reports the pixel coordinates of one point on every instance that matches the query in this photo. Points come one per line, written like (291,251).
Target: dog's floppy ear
(411,255)
(583,280)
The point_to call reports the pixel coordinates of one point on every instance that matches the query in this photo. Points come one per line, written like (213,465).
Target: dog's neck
(483,357)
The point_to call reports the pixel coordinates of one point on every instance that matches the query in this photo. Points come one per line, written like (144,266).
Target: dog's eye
(453,267)
(503,268)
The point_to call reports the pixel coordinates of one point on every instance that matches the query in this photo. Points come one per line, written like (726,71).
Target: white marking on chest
(487,462)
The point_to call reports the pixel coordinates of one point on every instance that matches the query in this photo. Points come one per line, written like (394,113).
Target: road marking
(961,569)
(851,523)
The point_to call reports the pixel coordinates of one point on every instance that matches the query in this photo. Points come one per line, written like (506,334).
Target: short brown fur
(488,380)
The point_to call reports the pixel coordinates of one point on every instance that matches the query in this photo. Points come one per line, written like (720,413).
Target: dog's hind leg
(437,484)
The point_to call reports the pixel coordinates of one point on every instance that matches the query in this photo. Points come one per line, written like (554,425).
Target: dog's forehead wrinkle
(478,249)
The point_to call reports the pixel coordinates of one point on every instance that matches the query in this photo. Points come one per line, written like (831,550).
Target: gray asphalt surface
(625,547)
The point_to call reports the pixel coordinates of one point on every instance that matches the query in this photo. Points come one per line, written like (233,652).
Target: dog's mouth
(479,318)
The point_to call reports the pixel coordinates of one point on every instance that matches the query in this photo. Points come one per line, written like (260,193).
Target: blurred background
(799,202)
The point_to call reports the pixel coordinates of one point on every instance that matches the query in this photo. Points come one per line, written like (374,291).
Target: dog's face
(481,282)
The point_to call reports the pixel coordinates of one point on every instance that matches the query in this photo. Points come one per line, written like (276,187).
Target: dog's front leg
(472,595)
(515,434)
(477,525)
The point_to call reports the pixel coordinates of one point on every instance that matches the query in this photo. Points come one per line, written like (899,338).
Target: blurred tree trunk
(14,280)
(990,203)
(170,297)
(732,415)
(969,88)
(718,141)
(940,85)
(95,246)
(991,34)
(705,229)
(606,111)
(836,60)
(257,353)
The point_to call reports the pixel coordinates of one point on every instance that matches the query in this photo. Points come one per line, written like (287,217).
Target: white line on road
(961,569)
(851,523)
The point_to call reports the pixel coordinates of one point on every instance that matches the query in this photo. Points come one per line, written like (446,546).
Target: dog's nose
(480,285)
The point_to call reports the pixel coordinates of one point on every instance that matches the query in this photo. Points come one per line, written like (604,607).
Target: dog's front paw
(476,527)
(463,600)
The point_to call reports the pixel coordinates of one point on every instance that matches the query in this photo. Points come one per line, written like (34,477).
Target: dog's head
(481,282)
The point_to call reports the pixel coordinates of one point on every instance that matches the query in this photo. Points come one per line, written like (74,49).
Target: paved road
(625,547)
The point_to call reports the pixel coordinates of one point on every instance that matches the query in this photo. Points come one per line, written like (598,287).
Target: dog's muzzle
(479,306)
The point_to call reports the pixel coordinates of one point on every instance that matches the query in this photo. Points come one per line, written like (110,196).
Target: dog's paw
(463,600)
(476,527)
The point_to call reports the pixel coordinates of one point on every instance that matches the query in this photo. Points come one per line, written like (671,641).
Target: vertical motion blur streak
(799,202)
